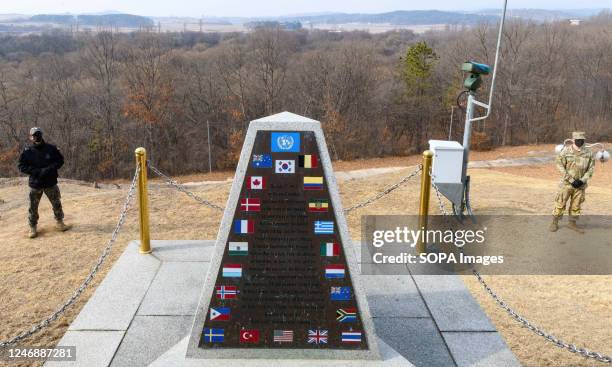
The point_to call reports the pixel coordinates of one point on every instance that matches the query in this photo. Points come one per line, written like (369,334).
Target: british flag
(317,336)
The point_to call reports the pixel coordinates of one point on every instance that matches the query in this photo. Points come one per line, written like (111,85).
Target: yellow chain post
(424,203)
(143,201)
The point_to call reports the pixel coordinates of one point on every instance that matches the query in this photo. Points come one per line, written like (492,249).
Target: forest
(99,95)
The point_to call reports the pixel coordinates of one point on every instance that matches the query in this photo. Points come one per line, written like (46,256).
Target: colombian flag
(313,183)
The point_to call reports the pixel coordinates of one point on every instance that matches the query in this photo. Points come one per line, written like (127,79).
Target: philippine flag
(232,271)
(244,226)
(219,314)
(334,271)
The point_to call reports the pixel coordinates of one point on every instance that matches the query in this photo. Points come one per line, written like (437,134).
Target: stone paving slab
(149,337)
(479,349)
(93,348)
(183,250)
(173,295)
(393,296)
(113,305)
(451,304)
(416,338)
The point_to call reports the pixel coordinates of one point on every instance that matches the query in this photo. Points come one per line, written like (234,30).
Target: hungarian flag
(318,205)
(330,249)
(308,161)
(249,336)
(250,204)
(244,226)
(256,182)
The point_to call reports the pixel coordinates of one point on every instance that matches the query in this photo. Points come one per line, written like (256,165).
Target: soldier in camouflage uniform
(41,161)
(576,164)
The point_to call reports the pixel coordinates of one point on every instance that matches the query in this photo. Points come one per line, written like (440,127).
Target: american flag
(317,336)
(283,336)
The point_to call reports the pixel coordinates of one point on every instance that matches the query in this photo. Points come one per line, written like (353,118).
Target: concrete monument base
(144,309)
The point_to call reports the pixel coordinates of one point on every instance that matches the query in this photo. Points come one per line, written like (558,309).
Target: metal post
(209,156)
(450,128)
(145,238)
(467,134)
(424,203)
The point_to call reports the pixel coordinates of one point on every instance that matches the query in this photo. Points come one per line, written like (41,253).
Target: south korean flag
(285,166)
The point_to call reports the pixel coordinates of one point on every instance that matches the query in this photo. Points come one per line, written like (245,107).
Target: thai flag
(351,336)
(244,226)
(324,227)
(334,271)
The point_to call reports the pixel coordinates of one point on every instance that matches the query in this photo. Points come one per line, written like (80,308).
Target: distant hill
(400,17)
(545,15)
(119,20)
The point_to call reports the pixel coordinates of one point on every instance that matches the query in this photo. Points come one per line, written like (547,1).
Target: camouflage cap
(35,130)
(578,135)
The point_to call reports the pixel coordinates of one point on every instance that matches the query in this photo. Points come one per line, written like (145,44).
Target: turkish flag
(249,336)
(256,183)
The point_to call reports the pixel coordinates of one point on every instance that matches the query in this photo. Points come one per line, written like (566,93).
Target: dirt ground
(38,275)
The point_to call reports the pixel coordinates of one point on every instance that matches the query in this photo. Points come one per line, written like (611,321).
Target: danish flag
(250,204)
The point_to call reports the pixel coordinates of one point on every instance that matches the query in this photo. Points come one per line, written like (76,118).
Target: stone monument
(282,282)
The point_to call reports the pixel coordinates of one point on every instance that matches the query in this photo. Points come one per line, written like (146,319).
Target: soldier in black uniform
(41,161)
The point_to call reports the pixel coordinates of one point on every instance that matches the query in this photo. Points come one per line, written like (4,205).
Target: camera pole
(469,118)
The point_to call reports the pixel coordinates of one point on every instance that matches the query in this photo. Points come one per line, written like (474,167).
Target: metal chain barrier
(515,315)
(386,191)
(170,182)
(537,330)
(46,322)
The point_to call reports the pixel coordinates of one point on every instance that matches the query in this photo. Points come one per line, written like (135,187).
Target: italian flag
(330,249)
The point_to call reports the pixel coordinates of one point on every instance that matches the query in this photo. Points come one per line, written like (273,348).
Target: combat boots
(554,226)
(60,226)
(573,226)
(33,232)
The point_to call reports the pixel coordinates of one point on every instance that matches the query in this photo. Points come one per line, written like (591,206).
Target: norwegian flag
(226,291)
(317,336)
(256,183)
(250,204)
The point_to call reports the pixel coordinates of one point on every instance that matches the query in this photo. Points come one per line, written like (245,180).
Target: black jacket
(41,162)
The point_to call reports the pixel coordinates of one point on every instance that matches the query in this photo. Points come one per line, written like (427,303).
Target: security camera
(473,82)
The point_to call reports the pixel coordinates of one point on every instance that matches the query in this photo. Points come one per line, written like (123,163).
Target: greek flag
(324,227)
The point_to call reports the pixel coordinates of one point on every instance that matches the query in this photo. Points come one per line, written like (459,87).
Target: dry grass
(37,275)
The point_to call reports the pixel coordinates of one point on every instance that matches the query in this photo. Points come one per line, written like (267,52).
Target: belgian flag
(308,161)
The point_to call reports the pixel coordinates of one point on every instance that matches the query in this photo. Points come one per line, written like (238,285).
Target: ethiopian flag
(318,205)
(330,249)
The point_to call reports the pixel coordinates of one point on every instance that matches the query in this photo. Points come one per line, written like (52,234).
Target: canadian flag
(256,183)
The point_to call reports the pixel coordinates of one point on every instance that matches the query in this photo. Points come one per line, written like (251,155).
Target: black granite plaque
(284,281)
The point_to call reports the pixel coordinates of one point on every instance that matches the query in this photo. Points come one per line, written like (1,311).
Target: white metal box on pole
(447,161)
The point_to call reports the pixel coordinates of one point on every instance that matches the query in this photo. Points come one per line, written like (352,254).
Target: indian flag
(238,248)
(330,249)
(313,183)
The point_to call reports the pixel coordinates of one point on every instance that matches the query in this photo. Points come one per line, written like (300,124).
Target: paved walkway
(146,304)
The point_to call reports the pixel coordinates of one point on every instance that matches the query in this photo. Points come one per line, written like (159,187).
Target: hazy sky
(197,8)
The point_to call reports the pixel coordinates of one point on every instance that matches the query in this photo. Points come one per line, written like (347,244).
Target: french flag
(244,226)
